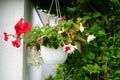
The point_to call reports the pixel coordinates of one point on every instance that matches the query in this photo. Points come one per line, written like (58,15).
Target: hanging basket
(53,56)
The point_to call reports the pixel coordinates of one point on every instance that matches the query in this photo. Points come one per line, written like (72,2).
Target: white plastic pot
(53,56)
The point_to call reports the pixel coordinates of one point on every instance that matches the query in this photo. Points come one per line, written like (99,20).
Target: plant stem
(105,72)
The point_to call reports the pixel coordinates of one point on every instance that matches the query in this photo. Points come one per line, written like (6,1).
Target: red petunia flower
(18,28)
(16,43)
(26,27)
(5,36)
(22,27)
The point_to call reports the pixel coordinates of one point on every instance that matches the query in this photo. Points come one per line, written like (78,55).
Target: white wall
(10,57)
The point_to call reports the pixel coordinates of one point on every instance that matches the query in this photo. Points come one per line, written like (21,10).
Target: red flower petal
(16,43)
(63,18)
(67,48)
(5,36)
(18,28)
(40,39)
(22,27)
(26,27)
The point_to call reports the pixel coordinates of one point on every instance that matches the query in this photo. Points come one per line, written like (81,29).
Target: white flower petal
(90,38)
(61,31)
(81,27)
(72,48)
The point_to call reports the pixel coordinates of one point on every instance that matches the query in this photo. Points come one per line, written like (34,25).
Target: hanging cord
(48,17)
(56,4)
(57,9)
(39,16)
(50,7)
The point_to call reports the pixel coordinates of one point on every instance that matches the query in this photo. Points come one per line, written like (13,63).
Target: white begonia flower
(90,38)
(73,48)
(81,27)
(69,48)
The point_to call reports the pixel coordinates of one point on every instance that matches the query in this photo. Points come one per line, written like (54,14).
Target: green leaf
(91,55)
(86,78)
(86,17)
(96,14)
(101,32)
(95,68)
(117,72)
(118,54)
(103,67)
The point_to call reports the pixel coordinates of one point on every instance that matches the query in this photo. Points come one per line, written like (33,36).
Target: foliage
(66,32)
